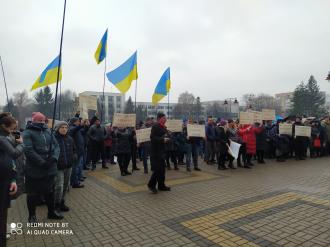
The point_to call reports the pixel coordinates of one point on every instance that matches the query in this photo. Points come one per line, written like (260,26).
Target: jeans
(144,158)
(76,173)
(61,184)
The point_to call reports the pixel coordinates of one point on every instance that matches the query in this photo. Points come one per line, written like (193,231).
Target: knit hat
(73,120)
(160,115)
(223,123)
(38,117)
(59,124)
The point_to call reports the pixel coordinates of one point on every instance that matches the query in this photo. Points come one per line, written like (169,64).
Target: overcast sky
(215,48)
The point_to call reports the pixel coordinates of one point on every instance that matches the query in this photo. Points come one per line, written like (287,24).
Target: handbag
(317,143)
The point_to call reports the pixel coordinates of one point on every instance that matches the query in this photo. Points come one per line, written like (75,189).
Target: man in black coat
(159,136)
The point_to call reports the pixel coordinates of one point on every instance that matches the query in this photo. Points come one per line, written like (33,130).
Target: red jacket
(249,137)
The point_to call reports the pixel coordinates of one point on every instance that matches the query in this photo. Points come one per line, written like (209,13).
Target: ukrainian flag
(49,75)
(123,76)
(162,88)
(101,51)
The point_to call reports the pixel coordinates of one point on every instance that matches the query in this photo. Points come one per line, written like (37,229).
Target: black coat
(221,140)
(157,136)
(76,132)
(123,141)
(261,140)
(68,152)
(8,153)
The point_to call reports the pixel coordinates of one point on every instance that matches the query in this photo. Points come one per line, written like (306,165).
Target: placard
(268,114)
(174,125)
(124,120)
(256,117)
(143,135)
(87,102)
(233,149)
(303,131)
(285,129)
(244,118)
(196,130)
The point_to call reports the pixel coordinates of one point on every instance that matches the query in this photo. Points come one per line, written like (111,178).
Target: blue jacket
(76,132)
(210,132)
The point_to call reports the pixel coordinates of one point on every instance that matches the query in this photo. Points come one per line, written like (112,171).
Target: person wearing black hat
(158,137)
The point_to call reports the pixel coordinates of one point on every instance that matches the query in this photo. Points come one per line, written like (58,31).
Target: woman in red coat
(248,133)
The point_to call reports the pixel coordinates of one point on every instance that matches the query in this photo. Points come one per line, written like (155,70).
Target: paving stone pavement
(277,204)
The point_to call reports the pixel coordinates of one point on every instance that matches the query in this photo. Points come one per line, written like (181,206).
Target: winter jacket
(8,153)
(210,132)
(76,132)
(67,151)
(249,137)
(326,127)
(36,140)
(97,133)
(123,144)
(221,140)
(261,143)
(157,137)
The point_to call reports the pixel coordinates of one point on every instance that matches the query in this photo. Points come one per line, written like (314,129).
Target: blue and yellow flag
(123,76)
(101,51)
(49,75)
(162,88)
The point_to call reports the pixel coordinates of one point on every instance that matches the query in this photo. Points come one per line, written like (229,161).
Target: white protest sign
(121,120)
(174,125)
(143,135)
(233,149)
(268,114)
(303,131)
(285,129)
(195,130)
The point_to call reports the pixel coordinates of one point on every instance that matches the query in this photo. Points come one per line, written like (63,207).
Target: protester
(64,165)
(42,152)
(145,146)
(248,134)
(159,136)
(75,131)
(97,135)
(210,141)
(123,149)
(261,144)
(8,154)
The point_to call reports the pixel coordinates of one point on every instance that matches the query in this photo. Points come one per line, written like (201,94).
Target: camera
(17,134)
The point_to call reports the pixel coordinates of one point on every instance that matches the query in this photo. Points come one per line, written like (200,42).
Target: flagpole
(59,103)
(168,104)
(103,98)
(4,80)
(57,82)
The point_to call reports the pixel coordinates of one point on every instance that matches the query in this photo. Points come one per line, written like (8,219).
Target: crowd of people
(44,163)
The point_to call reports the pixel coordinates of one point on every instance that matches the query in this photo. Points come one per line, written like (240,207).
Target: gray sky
(215,48)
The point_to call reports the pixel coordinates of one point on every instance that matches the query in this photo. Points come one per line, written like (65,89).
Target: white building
(153,109)
(285,101)
(229,107)
(114,102)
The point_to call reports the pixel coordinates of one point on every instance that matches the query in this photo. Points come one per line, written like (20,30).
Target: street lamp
(234,100)
(328,77)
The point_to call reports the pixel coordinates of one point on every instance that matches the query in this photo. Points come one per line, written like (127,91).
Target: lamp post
(230,100)
(328,77)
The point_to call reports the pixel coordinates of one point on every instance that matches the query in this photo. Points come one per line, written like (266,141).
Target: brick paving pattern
(285,204)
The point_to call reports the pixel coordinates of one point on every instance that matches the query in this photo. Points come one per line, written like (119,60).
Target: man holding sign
(159,136)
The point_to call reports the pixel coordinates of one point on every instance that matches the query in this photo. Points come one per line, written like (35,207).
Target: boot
(63,207)
(176,167)
(55,215)
(32,219)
